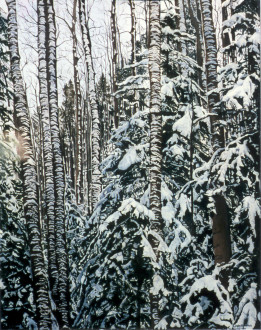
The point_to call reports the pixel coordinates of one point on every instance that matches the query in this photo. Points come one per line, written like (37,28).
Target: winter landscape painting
(129,164)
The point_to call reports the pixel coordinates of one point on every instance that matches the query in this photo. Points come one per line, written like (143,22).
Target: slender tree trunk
(220,229)
(182,26)
(133,35)
(95,141)
(146,21)
(78,153)
(155,112)
(133,47)
(29,176)
(211,70)
(196,23)
(58,166)
(114,62)
(47,151)
(155,136)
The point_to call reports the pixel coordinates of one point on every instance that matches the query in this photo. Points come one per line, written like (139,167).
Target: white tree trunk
(220,228)
(96,184)
(79,112)
(114,62)
(58,167)
(30,185)
(47,151)
(155,136)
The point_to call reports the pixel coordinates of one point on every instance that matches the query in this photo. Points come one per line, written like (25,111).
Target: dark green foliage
(17,302)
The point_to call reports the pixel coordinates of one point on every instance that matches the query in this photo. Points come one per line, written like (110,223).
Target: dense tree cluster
(133,202)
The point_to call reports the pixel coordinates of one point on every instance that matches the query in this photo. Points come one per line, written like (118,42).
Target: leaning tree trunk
(47,152)
(29,176)
(220,229)
(58,167)
(96,184)
(155,136)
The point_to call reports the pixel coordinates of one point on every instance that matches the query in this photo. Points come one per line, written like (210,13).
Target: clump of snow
(222,316)
(2,286)
(162,324)
(247,311)
(158,285)
(244,90)
(183,125)
(129,159)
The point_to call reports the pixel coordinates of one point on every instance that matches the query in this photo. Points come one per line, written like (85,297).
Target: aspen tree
(29,177)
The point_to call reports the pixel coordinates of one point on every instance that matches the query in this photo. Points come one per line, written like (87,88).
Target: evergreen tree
(17,299)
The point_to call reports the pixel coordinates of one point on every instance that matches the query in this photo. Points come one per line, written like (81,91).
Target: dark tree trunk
(195,18)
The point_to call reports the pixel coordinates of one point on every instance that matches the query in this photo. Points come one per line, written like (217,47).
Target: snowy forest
(129,164)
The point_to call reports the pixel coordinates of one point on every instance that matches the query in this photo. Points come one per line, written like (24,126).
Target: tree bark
(58,167)
(114,62)
(211,71)
(29,177)
(155,136)
(47,150)
(195,18)
(133,35)
(96,184)
(220,229)
(78,159)
(155,112)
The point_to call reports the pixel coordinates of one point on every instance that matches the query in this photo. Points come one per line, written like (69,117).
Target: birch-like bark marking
(114,62)
(133,35)
(220,228)
(96,184)
(58,167)
(47,151)
(155,136)
(79,128)
(155,112)
(211,70)
(29,177)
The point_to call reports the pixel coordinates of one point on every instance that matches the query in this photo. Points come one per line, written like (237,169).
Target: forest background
(130,157)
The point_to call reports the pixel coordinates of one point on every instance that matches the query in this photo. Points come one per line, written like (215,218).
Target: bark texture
(133,35)
(114,62)
(220,229)
(155,137)
(155,112)
(211,71)
(58,167)
(96,184)
(29,176)
(47,150)
(78,151)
